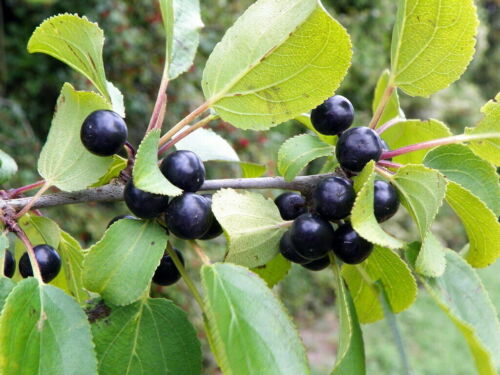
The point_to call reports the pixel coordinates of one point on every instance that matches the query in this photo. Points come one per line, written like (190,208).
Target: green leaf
(274,271)
(432,44)
(384,265)
(481,225)
(299,151)
(208,146)
(488,149)
(64,161)
(351,352)
(252,170)
(147,174)
(8,167)
(113,172)
(130,250)
(252,224)
(410,132)
(305,119)
(422,191)
(280,59)
(151,336)
(393,108)
(182,24)
(72,254)
(461,295)
(362,214)
(46,331)
(6,286)
(250,331)
(431,261)
(75,41)
(459,164)
(116,98)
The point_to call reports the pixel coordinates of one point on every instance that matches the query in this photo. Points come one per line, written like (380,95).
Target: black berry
(167,273)
(333,116)
(356,147)
(119,217)
(311,236)
(386,201)
(103,133)
(318,264)
(143,204)
(291,205)
(349,246)
(289,251)
(189,216)
(184,169)
(215,229)
(9,264)
(334,197)
(48,261)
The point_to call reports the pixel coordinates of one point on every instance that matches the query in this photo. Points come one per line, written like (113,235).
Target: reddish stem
(15,192)
(389,164)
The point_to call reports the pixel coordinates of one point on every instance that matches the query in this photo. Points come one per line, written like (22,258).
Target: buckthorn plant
(69,310)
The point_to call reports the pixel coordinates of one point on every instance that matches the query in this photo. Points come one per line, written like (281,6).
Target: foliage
(279,60)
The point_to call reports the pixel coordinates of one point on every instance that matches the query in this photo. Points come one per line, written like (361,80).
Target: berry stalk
(186,132)
(189,282)
(437,142)
(389,164)
(33,199)
(31,253)
(381,106)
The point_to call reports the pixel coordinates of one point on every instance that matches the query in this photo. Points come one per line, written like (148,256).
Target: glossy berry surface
(318,264)
(119,217)
(143,204)
(311,236)
(333,116)
(291,205)
(289,251)
(48,260)
(184,169)
(333,198)
(167,273)
(103,133)
(386,201)
(189,216)
(9,264)
(356,147)
(215,229)
(349,246)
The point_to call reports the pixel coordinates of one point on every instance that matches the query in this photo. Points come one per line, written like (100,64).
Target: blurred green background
(133,55)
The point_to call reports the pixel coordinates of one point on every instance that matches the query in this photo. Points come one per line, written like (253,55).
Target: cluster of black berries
(46,256)
(188,216)
(355,146)
(312,236)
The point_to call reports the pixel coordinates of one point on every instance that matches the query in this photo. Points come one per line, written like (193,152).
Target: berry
(349,246)
(143,204)
(119,217)
(386,201)
(318,264)
(184,169)
(291,205)
(356,147)
(333,116)
(9,264)
(103,133)
(311,236)
(48,261)
(189,216)
(167,273)
(289,251)
(333,198)
(215,229)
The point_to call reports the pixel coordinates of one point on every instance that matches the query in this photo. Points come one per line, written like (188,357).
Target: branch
(114,192)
